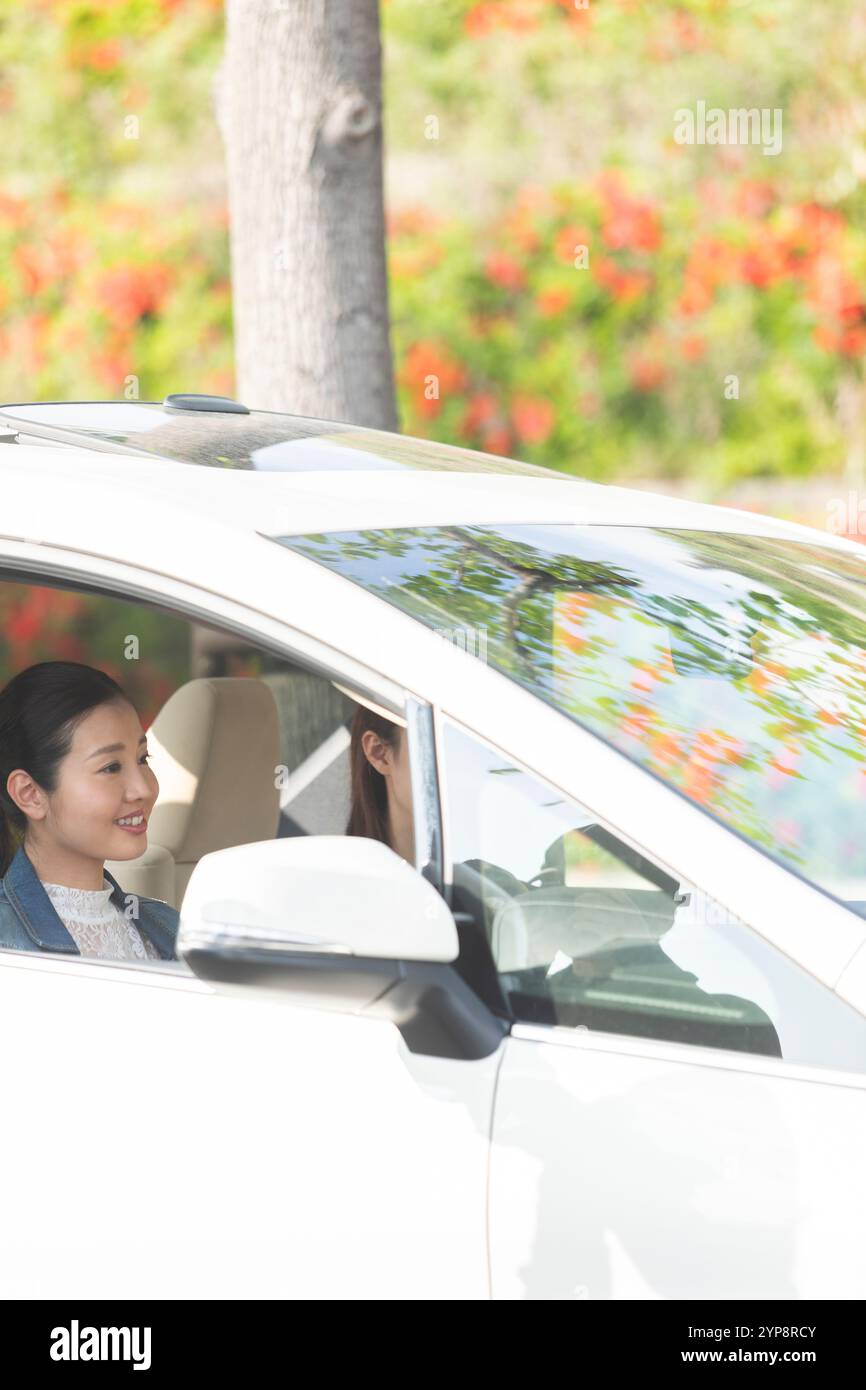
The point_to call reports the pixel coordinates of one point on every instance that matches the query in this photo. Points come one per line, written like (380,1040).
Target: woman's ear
(28,797)
(376,751)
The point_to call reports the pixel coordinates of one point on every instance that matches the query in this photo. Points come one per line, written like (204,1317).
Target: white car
(607,1038)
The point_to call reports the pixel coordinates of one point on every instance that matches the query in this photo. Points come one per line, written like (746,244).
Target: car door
(170,1137)
(681,1109)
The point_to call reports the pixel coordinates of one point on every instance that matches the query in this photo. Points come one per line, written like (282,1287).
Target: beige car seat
(215,747)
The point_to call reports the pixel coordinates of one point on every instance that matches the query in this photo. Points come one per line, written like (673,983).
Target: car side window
(264,752)
(587,933)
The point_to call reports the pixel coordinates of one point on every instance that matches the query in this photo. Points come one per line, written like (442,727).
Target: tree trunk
(299,105)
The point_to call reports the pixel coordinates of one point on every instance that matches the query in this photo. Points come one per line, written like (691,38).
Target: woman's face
(104,778)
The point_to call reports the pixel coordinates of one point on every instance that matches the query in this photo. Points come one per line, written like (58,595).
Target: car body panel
(174,1141)
(625,1170)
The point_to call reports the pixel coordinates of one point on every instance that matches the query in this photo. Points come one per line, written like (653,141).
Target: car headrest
(215,748)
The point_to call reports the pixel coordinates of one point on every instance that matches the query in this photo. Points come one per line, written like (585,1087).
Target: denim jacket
(29,922)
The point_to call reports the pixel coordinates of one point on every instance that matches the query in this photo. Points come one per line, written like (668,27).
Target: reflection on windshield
(734,667)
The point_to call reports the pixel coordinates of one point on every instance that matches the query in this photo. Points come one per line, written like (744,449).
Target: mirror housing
(339,923)
(335,895)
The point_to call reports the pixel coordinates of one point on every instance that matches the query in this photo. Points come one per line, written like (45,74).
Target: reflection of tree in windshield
(734,667)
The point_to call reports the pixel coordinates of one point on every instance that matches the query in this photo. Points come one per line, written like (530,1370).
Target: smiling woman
(75,790)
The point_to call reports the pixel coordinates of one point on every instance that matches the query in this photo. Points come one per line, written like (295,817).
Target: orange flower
(630,223)
(552,301)
(632,226)
(101,57)
(832,290)
(820,228)
(630,285)
(431,372)
(624,285)
(480,411)
(579,18)
(853,342)
(611,186)
(503,270)
(687,31)
(518,225)
(497,440)
(427,358)
(646,373)
(532,418)
(606,272)
(711,262)
(763,262)
(826,337)
(693,348)
(126,292)
(33,266)
(695,298)
(111,363)
(66,250)
(13,211)
(568,239)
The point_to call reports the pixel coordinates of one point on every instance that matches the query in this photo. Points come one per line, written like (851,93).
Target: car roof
(280,474)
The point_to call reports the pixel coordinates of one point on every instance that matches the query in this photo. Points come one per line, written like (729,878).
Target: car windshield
(731,666)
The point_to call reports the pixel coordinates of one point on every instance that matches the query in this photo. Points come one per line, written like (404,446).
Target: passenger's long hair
(369,813)
(40,709)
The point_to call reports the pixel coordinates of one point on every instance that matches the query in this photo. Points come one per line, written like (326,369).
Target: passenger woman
(75,790)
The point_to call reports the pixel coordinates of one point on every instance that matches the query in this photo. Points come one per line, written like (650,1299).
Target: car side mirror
(335,895)
(336,922)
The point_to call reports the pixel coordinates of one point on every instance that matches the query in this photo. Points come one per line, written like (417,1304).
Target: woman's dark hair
(369,814)
(40,709)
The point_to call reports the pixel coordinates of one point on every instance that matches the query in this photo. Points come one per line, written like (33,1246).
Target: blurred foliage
(113,224)
(520,130)
(46,624)
(516,132)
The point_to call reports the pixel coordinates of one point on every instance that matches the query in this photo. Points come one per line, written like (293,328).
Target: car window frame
(260,630)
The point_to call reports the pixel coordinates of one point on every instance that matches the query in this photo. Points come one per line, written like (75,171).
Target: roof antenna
(224,404)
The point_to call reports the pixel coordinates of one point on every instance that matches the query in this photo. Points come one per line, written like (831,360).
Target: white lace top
(96,925)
